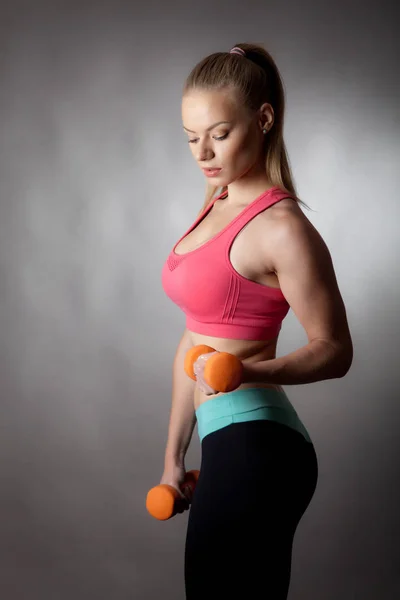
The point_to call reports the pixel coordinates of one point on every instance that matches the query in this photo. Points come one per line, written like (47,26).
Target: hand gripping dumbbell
(162,499)
(223,371)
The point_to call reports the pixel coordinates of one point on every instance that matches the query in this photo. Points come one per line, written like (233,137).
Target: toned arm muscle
(303,265)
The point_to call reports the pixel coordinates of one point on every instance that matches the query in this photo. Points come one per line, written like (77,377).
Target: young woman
(250,256)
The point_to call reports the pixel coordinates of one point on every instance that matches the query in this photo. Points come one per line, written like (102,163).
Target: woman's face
(234,145)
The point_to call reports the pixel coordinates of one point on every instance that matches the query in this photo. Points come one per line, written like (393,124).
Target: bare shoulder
(284,211)
(288,229)
(303,264)
(281,214)
(274,225)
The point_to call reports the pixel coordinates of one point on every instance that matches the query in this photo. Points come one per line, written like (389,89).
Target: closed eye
(219,139)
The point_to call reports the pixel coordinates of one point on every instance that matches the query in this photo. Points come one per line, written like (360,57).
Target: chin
(219,181)
(215,181)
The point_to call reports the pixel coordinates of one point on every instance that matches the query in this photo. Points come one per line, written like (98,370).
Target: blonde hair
(256,79)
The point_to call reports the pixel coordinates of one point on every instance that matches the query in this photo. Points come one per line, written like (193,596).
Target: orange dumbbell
(223,371)
(161,500)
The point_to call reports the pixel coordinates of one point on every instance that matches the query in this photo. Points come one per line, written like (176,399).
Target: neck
(246,189)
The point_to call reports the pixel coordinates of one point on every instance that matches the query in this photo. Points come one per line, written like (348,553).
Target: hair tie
(237,50)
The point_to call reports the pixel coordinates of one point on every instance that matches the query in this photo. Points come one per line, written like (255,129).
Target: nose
(204,152)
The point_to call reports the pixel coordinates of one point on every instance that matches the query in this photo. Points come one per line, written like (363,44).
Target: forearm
(316,361)
(182,415)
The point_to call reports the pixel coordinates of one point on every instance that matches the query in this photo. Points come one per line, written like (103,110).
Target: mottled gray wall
(96,183)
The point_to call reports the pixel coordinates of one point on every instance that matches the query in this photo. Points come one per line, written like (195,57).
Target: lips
(211,172)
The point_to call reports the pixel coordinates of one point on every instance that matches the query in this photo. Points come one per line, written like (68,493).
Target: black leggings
(256,480)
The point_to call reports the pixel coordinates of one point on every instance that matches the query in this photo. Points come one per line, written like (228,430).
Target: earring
(264,131)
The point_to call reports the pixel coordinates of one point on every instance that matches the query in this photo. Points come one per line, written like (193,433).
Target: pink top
(217,300)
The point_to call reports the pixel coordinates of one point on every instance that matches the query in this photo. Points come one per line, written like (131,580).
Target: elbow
(345,359)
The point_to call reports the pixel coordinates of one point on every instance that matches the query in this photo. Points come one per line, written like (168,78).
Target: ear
(266,116)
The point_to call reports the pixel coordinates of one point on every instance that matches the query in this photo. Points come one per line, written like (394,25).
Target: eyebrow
(208,128)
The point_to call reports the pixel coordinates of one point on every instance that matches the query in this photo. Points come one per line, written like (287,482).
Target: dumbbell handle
(161,500)
(223,371)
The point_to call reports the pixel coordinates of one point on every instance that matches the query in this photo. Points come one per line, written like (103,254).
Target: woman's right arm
(182,418)
(182,415)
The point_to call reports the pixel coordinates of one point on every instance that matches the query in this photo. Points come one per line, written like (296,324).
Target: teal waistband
(249,404)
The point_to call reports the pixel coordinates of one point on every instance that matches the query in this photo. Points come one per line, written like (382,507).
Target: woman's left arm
(303,265)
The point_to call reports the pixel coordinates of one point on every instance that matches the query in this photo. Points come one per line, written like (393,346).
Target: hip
(248,403)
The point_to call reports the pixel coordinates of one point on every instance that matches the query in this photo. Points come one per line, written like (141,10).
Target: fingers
(198,369)
(182,504)
(185,498)
(204,387)
(187,492)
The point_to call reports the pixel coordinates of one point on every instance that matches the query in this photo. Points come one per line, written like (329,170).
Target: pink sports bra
(216,299)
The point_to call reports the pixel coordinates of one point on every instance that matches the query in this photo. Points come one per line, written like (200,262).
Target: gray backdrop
(96,184)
